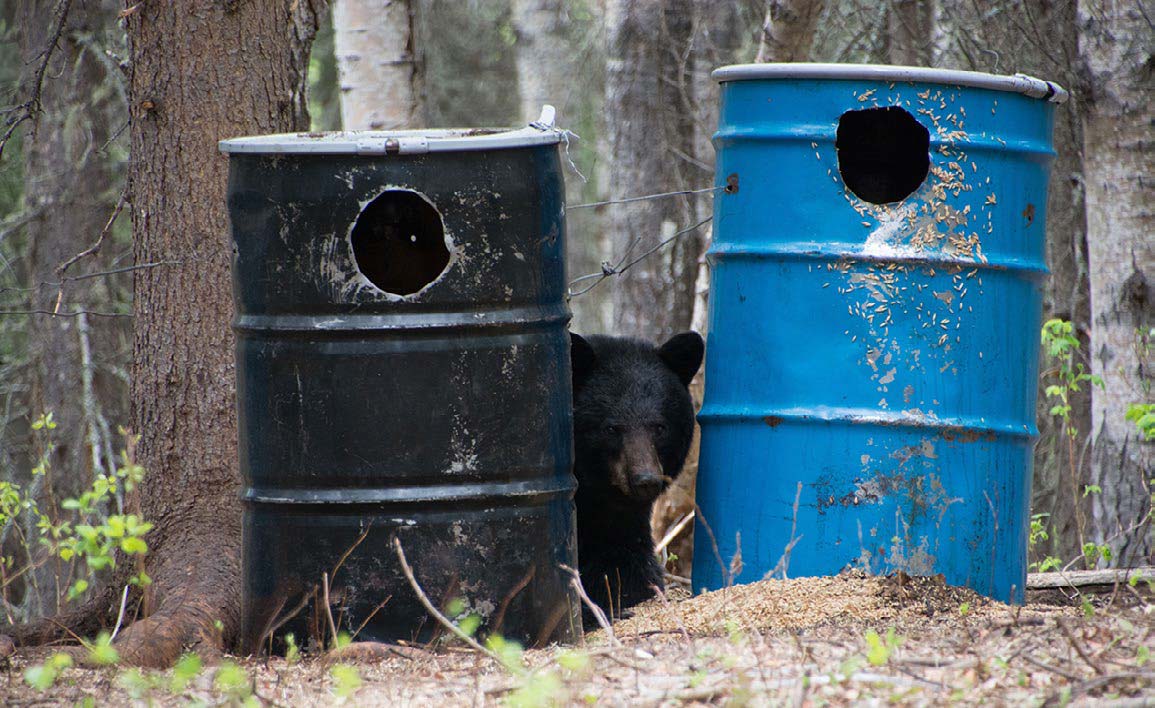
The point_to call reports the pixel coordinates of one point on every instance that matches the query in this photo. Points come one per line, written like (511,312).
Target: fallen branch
(1083,578)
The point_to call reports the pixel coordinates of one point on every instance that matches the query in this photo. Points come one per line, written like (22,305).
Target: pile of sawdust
(849,598)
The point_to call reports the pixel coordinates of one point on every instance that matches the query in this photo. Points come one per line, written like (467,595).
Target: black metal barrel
(403,372)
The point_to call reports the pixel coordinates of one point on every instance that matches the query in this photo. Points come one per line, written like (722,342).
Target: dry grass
(802,642)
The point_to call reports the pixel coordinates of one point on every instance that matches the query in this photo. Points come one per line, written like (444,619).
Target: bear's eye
(613,429)
(659,428)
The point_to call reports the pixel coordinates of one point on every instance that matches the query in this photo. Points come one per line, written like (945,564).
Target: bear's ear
(582,357)
(683,353)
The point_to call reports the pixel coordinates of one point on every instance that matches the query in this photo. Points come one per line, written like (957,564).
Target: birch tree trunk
(544,55)
(377,64)
(649,96)
(1119,160)
(788,30)
(546,50)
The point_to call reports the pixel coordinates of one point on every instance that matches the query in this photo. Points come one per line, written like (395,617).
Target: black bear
(633,425)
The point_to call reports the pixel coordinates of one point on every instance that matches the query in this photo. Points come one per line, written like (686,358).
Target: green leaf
(78,588)
(346,680)
(101,652)
(133,546)
(186,669)
(469,624)
(231,679)
(41,678)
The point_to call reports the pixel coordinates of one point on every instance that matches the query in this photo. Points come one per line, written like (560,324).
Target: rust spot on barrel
(772,420)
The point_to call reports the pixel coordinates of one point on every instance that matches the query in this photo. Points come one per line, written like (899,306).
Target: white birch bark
(1116,45)
(377,64)
(788,30)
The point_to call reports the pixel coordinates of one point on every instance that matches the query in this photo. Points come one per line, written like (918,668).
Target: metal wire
(643,198)
(619,268)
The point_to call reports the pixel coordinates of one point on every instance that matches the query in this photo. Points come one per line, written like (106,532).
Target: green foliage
(346,680)
(1143,416)
(509,652)
(292,651)
(101,652)
(232,681)
(1093,552)
(138,684)
(1062,346)
(543,688)
(186,669)
(879,649)
(44,676)
(92,534)
(1039,534)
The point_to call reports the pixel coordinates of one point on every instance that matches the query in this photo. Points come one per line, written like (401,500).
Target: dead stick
(599,615)
(1078,647)
(328,610)
(433,611)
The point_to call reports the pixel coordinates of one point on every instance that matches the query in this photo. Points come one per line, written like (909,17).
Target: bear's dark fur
(633,425)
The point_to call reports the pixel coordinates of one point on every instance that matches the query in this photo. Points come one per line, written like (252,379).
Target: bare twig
(350,549)
(597,612)
(674,531)
(95,248)
(784,560)
(371,616)
(1078,647)
(328,609)
(30,110)
(433,611)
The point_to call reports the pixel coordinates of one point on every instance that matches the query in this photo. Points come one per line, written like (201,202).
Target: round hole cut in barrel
(399,242)
(882,153)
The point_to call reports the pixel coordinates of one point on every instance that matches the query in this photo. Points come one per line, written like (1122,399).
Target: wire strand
(646,197)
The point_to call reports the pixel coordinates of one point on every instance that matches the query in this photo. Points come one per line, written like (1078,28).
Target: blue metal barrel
(875,305)
(403,375)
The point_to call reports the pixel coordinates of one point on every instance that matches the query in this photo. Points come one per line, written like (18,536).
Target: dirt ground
(805,642)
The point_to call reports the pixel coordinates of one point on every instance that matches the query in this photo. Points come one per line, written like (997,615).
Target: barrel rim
(1018,83)
(377,142)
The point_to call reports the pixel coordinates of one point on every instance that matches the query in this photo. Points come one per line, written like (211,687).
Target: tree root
(157,641)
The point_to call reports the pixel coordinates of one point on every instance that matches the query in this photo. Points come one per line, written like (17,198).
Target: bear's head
(633,416)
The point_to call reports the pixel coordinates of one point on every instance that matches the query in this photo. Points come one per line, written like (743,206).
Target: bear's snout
(643,469)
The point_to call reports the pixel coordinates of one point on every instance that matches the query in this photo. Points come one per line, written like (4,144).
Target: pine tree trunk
(1118,162)
(66,183)
(649,94)
(201,71)
(377,64)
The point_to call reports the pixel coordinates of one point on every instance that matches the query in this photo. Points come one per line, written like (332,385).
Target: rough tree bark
(788,30)
(1116,44)
(649,94)
(201,71)
(377,64)
(909,37)
(66,189)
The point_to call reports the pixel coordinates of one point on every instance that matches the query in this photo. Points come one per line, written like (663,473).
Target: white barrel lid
(401,142)
(1019,83)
